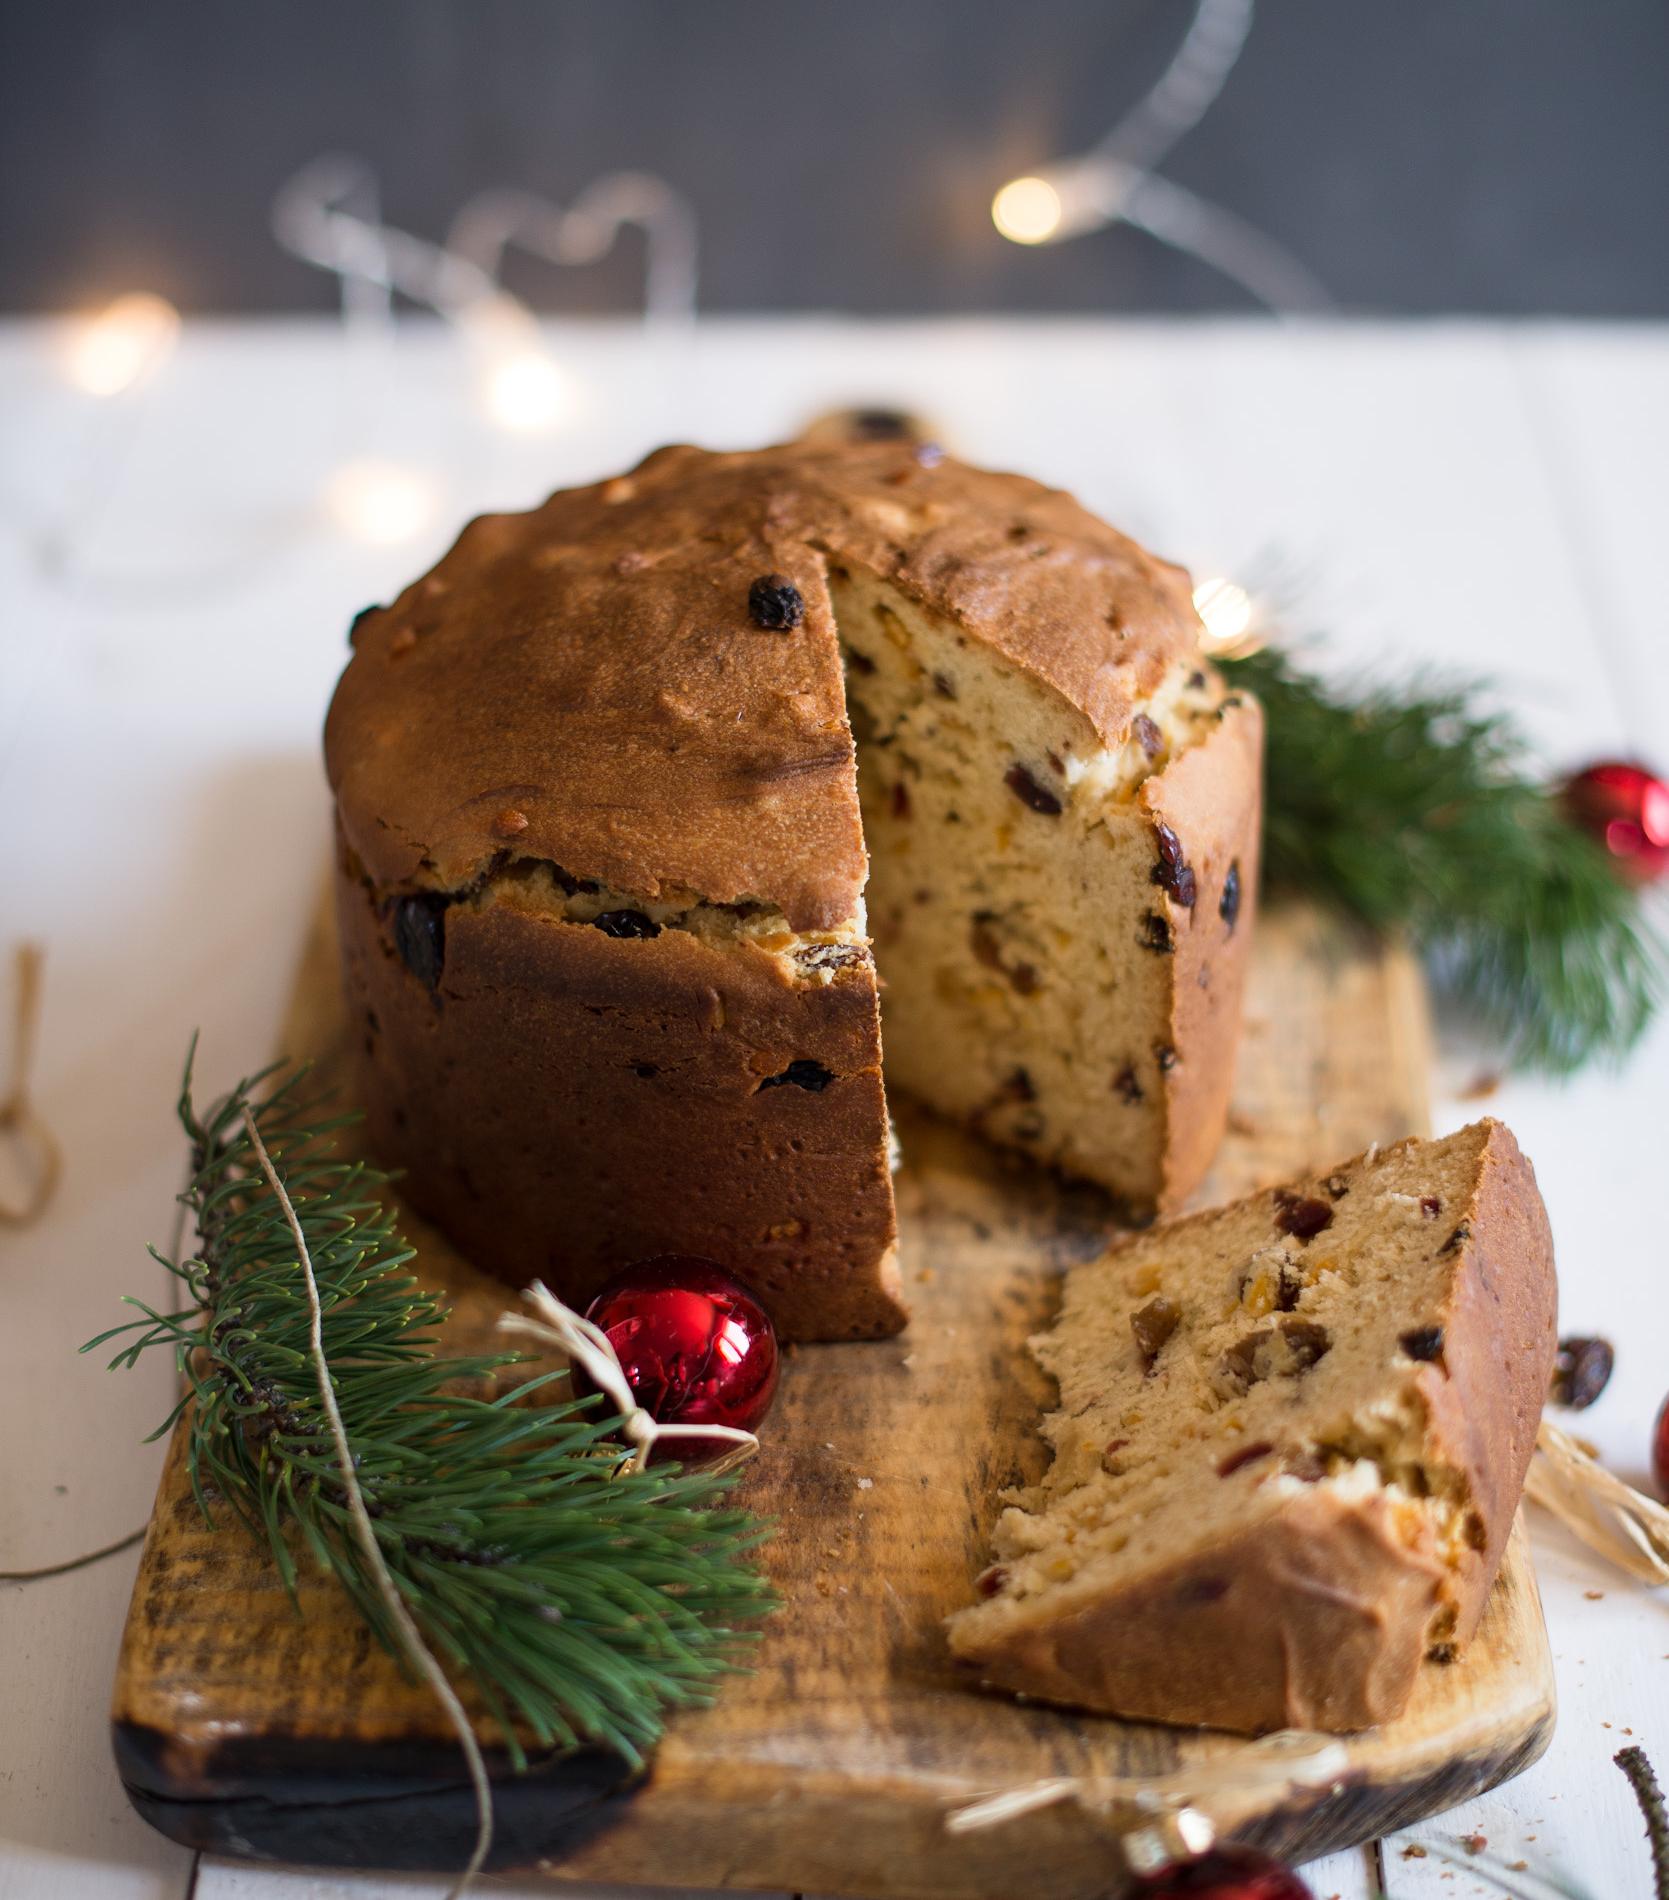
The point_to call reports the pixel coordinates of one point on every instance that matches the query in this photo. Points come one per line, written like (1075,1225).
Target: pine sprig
(579,1598)
(1416,809)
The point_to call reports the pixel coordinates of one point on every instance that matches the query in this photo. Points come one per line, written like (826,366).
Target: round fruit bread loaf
(635,790)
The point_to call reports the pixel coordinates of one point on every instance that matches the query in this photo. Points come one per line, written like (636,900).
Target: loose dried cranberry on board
(1581,1372)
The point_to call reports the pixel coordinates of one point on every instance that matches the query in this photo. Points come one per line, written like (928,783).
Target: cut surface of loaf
(1044,965)
(635,790)
(1291,1437)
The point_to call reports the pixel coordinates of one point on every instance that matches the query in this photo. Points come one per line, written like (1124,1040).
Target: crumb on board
(1594,1596)
(1413,1851)
(1474,1843)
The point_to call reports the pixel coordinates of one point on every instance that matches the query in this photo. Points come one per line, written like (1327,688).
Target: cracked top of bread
(587,681)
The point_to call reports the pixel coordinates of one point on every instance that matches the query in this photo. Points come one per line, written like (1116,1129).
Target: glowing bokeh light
(381,502)
(1226,613)
(1027,211)
(526,392)
(126,342)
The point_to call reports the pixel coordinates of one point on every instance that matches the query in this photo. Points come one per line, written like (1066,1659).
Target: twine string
(74,1563)
(560,1328)
(1290,1758)
(40,1157)
(421,1656)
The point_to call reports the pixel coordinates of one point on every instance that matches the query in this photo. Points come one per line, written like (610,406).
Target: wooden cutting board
(242,1728)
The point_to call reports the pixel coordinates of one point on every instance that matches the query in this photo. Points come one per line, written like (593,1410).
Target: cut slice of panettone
(1291,1439)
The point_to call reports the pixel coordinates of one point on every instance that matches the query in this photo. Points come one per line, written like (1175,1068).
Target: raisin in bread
(1291,1439)
(605,780)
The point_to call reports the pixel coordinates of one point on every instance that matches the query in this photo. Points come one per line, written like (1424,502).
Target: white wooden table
(1458,493)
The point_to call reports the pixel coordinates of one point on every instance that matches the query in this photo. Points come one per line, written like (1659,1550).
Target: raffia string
(1623,1524)
(40,1157)
(1290,1758)
(419,1653)
(74,1563)
(560,1328)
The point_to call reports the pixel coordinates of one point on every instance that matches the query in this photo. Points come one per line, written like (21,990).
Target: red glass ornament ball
(1225,1873)
(1660,1451)
(696,1348)
(1626,807)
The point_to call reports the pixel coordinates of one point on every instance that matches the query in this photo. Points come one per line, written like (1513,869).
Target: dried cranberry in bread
(1291,1439)
(605,780)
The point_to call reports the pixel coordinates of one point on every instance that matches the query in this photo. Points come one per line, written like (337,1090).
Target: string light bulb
(381,502)
(522,388)
(1028,211)
(1117,180)
(1227,614)
(525,392)
(124,344)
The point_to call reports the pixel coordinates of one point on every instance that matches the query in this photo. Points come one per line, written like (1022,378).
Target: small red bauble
(1626,807)
(1225,1873)
(696,1348)
(1660,1451)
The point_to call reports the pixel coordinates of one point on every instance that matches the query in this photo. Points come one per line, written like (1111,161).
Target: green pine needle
(1414,809)
(580,1598)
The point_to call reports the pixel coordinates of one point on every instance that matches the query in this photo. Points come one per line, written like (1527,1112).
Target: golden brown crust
(585,687)
(1485,1393)
(1312,1619)
(1211,799)
(566,1102)
(593,666)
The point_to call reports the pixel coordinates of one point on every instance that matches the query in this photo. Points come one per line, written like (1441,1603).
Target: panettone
(605,780)
(1291,1439)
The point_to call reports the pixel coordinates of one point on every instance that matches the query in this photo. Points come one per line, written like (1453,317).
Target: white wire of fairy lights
(1117,180)
(329,215)
(586,232)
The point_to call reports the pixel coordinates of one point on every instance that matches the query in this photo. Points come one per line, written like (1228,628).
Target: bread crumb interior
(1209,1373)
(1020,937)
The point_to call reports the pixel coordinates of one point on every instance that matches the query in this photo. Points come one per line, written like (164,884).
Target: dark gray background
(1419,155)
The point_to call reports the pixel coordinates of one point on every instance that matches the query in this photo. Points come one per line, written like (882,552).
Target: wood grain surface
(243,1728)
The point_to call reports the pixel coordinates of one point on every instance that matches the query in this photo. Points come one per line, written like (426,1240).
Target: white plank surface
(1461,494)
